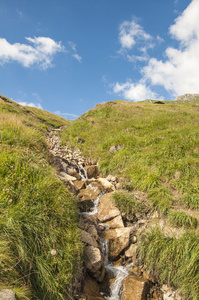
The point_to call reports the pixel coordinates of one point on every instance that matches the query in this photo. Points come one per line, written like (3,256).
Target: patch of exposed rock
(188,97)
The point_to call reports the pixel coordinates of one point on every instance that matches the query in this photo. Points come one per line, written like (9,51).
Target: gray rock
(7,294)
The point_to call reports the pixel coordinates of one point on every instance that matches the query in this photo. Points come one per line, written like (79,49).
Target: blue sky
(65,56)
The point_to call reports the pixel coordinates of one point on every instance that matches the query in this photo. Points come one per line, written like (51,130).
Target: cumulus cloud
(31,104)
(134,91)
(39,51)
(178,72)
(134,41)
(130,33)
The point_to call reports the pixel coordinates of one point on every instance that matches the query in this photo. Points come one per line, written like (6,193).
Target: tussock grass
(181,219)
(173,261)
(159,147)
(159,156)
(128,204)
(40,246)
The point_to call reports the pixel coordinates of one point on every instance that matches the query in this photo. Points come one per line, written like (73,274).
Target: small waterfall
(119,272)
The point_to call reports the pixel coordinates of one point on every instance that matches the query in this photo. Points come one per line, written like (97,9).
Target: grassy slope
(38,214)
(158,156)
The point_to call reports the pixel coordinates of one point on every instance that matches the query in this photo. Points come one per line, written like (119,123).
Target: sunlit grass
(40,247)
(173,261)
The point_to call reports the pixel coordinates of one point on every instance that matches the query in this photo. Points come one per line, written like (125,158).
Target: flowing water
(119,272)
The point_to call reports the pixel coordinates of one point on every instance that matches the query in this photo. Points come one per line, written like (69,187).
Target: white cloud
(69,116)
(134,58)
(40,52)
(130,33)
(134,91)
(179,74)
(31,104)
(73,49)
(77,57)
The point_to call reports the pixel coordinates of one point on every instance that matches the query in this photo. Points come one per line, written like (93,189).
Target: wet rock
(73,172)
(106,184)
(91,289)
(115,223)
(92,171)
(94,262)
(85,205)
(107,209)
(79,185)
(86,221)
(118,240)
(135,288)
(87,196)
(7,294)
(93,232)
(88,239)
(131,252)
(91,192)
(66,177)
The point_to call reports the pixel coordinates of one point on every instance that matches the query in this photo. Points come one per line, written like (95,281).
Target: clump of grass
(172,261)
(38,215)
(127,204)
(40,246)
(181,219)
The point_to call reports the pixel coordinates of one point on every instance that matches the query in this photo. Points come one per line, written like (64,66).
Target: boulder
(91,192)
(115,223)
(94,262)
(131,252)
(107,185)
(79,185)
(135,288)
(66,177)
(86,221)
(7,294)
(92,171)
(118,240)
(93,232)
(88,239)
(87,196)
(73,172)
(91,289)
(85,205)
(107,209)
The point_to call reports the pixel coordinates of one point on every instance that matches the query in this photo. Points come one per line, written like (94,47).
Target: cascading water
(119,272)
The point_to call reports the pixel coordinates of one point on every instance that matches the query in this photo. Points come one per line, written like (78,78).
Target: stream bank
(112,269)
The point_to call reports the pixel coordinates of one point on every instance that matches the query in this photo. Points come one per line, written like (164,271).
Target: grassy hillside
(39,243)
(157,151)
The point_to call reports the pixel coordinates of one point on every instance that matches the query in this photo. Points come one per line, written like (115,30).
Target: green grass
(181,219)
(159,147)
(173,261)
(158,155)
(129,205)
(37,213)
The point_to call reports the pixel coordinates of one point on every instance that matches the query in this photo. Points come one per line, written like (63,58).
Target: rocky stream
(112,270)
